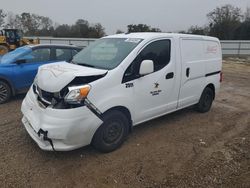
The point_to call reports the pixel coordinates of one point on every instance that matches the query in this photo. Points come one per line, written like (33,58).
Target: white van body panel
(139,110)
(145,87)
(108,87)
(206,60)
(144,98)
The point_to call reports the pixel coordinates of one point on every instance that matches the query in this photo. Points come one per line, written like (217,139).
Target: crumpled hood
(53,77)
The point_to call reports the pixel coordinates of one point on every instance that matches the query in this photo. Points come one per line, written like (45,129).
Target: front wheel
(112,133)
(205,101)
(5,92)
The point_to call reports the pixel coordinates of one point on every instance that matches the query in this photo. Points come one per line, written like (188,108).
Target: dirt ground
(183,149)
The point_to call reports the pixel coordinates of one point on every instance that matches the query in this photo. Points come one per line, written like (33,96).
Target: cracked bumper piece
(63,129)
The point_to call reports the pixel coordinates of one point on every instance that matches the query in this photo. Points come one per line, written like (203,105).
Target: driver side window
(38,55)
(157,51)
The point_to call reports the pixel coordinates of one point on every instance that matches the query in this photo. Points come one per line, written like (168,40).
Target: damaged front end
(44,135)
(56,129)
(73,95)
(64,120)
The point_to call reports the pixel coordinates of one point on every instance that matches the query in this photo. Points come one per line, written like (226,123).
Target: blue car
(19,67)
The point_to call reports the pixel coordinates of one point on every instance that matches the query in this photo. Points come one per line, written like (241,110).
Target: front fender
(103,104)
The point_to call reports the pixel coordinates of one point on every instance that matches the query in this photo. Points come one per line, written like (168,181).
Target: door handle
(187,72)
(170,75)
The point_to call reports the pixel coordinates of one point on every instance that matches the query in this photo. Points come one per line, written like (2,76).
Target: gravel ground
(183,149)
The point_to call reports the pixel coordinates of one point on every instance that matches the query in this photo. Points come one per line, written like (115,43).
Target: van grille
(46,98)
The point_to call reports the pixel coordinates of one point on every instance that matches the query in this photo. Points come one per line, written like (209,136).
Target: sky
(168,15)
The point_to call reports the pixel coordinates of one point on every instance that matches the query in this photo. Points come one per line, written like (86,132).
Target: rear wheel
(5,92)
(205,101)
(112,133)
(3,50)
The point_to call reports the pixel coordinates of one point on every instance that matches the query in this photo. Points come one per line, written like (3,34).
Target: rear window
(63,54)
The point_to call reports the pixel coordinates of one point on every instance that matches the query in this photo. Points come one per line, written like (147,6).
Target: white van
(118,82)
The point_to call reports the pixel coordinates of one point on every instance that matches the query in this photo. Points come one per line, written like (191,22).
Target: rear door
(193,70)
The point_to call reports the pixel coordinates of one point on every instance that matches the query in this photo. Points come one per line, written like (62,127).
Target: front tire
(205,101)
(5,92)
(112,133)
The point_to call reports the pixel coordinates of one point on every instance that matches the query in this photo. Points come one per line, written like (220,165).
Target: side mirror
(20,61)
(147,67)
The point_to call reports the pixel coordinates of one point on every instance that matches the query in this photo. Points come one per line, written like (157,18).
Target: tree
(100,30)
(80,28)
(62,31)
(141,28)
(30,23)
(243,32)
(196,30)
(2,17)
(45,23)
(119,31)
(224,21)
(247,14)
(13,21)
(45,26)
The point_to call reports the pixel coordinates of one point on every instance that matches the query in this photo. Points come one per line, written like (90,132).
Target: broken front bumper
(58,129)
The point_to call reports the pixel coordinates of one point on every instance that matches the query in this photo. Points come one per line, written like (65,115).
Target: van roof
(152,35)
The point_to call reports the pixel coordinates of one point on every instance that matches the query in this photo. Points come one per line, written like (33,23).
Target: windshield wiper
(85,64)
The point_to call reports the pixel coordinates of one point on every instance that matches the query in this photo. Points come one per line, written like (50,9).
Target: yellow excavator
(10,39)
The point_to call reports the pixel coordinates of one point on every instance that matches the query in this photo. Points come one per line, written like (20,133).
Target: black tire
(3,49)
(205,101)
(112,133)
(5,92)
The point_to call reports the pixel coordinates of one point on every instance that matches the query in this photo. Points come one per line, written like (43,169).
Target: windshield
(11,57)
(106,53)
(19,33)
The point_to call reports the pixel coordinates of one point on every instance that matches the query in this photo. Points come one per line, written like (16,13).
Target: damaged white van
(118,82)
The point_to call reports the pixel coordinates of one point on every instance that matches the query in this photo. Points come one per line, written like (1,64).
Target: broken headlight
(77,94)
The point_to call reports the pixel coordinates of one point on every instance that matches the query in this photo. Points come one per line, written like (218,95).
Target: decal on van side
(129,85)
(155,93)
(212,49)
(157,85)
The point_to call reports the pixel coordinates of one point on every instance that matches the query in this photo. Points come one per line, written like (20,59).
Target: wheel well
(126,112)
(11,88)
(211,86)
